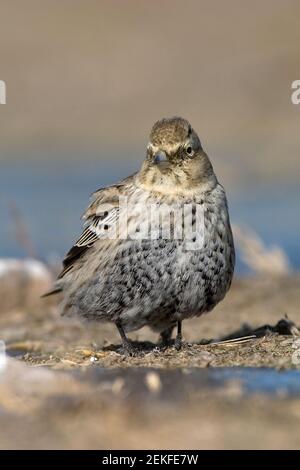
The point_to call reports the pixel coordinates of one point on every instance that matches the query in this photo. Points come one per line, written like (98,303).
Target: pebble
(153,382)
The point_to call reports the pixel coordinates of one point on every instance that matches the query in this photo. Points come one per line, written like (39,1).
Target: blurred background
(87,79)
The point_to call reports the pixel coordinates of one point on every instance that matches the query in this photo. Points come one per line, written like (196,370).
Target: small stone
(153,382)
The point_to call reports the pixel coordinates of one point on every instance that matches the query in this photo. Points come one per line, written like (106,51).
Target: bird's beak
(161,158)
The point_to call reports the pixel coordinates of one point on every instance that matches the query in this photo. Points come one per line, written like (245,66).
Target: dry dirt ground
(64,384)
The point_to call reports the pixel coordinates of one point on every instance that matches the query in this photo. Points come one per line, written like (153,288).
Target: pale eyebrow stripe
(168,148)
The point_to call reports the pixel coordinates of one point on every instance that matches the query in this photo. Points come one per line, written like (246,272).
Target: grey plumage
(144,281)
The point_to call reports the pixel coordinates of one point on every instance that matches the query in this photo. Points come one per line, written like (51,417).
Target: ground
(66,386)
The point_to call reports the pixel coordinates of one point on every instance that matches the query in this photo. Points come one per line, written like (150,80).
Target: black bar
(138,458)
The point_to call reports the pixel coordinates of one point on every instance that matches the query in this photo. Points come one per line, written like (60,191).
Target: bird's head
(175,160)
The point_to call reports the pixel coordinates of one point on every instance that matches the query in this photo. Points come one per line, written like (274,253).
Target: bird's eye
(189,151)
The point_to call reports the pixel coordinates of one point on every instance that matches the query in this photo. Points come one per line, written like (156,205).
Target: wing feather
(101,215)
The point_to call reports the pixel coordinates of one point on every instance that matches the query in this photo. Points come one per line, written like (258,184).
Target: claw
(129,350)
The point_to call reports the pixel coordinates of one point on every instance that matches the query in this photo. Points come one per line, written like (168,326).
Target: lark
(136,264)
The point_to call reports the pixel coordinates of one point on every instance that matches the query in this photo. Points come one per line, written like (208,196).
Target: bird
(157,247)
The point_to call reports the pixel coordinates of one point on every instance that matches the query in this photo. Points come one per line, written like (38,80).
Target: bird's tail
(54,291)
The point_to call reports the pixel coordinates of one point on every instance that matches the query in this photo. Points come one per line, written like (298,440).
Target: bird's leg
(127,346)
(165,337)
(178,339)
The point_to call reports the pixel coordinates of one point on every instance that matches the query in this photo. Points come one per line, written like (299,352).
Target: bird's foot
(163,345)
(129,350)
(178,343)
(178,339)
(165,339)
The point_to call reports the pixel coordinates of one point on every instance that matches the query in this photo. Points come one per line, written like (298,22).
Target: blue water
(258,380)
(178,384)
(51,197)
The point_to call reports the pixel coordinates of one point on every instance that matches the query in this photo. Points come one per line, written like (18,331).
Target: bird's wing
(100,216)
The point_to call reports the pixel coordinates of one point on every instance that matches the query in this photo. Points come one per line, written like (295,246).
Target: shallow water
(259,380)
(148,408)
(177,384)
